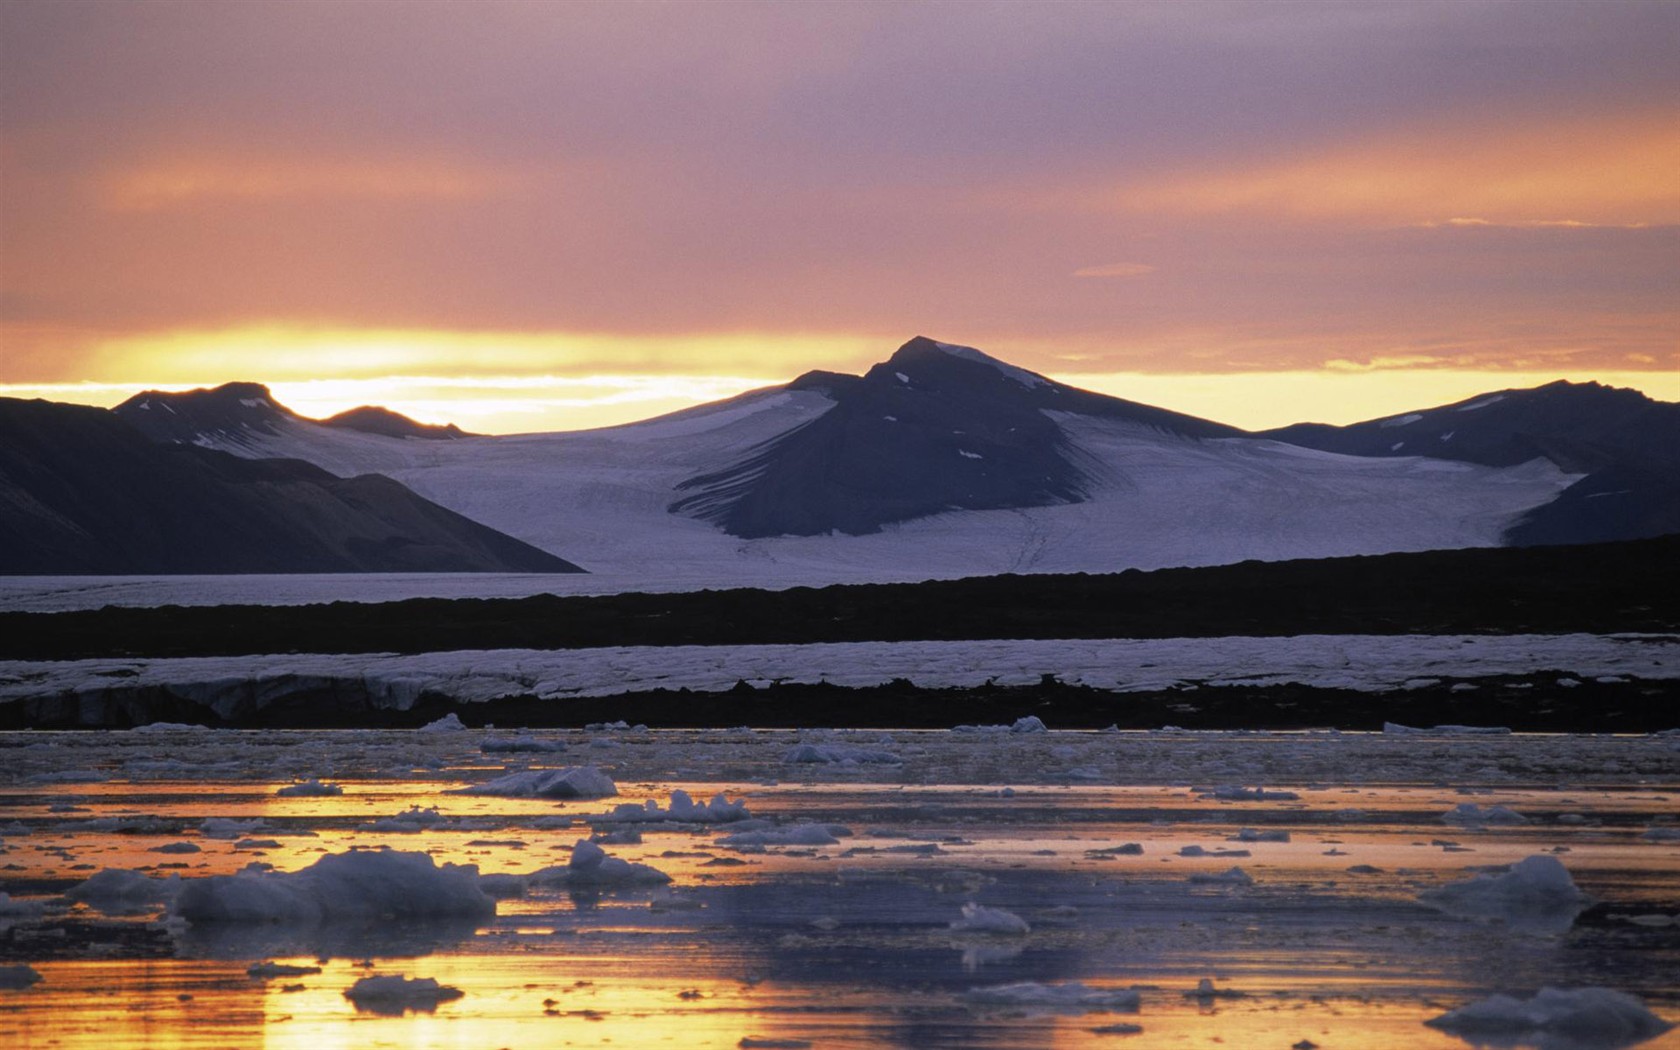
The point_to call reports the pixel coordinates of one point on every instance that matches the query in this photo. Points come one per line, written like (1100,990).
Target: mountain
(939,462)
(935,428)
(372,419)
(83,491)
(232,412)
(1626,446)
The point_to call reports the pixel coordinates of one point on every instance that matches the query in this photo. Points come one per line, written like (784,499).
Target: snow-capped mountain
(940,461)
(936,428)
(1626,446)
(81,491)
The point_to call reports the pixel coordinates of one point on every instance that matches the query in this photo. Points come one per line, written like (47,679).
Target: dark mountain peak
(234,410)
(830,383)
(376,419)
(936,427)
(82,491)
(183,417)
(932,360)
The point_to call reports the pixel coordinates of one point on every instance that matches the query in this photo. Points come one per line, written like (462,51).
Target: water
(850,944)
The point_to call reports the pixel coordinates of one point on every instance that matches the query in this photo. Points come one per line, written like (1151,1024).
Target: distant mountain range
(942,461)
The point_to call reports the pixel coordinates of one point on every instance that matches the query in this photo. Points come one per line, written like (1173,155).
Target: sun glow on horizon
(511,404)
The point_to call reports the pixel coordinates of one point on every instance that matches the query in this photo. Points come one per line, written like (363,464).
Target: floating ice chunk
(839,753)
(1194,850)
(1024,724)
(177,847)
(1468,813)
(792,835)
(1257,835)
(1233,876)
(450,723)
(365,884)
(309,789)
(410,821)
(1535,896)
(572,782)
(1557,1018)
(16,978)
(394,995)
(1074,996)
(119,891)
(521,743)
(592,866)
(1125,849)
(683,808)
(1236,793)
(1123,1028)
(170,727)
(1205,990)
(1395,729)
(980,919)
(227,828)
(267,971)
(503,886)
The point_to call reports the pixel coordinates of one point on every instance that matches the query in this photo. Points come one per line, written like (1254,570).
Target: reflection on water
(849,944)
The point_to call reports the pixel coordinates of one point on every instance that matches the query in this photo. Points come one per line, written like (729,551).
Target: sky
(522,216)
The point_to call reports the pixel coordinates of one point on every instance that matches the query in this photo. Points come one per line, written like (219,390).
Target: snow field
(396,681)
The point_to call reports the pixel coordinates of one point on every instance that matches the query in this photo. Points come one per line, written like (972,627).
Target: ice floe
(573,782)
(591,866)
(394,995)
(683,809)
(1237,793)
(1535,896)
(1555,1019)
(1232,876)
(362,884)
(227,828)
(1024,724)
(266,971)
(309,789)
(1469,814)
(977,918)
(119,891)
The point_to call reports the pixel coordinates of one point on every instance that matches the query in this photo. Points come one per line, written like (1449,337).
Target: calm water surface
(849,944)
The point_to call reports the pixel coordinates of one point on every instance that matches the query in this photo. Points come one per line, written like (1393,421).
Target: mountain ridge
(944,461)
(84,492)
(232,409)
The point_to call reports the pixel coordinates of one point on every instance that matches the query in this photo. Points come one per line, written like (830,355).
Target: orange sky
(532,215)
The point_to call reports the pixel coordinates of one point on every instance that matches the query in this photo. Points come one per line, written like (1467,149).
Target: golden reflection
(615,971)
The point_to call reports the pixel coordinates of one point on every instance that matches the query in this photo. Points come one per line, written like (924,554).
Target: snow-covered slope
(1127,485)
(1626,446)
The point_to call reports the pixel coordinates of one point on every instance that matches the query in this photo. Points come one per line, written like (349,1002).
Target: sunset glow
(589,213)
